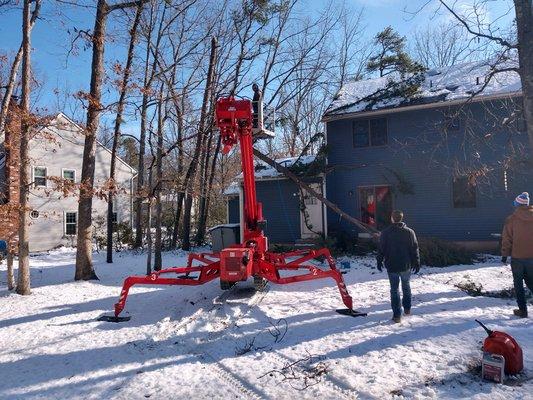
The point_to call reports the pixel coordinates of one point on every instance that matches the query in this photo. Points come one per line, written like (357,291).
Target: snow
(231,190)
(456,82)
(224,226)
(182,342)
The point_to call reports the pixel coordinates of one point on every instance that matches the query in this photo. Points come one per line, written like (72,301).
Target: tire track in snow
(237,384)
(335,385)
(165,326)
(224,373)
(235,381)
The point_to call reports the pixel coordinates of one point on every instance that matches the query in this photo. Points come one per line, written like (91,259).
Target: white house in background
(57,151)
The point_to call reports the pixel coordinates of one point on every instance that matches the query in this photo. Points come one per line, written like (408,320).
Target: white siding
(61,147)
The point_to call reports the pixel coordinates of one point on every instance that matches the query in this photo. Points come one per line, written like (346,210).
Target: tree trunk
(84,261)
(149,240)
(10,275)
(23,281)
(524,24)
(147,83)
(140,173)
(149,229)
(204,209)
(177,216)
(191,173)
(204,189)
(13,73)
(116,134)
(181,193)
(159,181)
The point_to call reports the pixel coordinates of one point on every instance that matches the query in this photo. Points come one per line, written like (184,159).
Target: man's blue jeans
(522,271)
(394,279)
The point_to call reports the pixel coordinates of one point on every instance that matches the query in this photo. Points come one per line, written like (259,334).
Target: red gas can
(504,344)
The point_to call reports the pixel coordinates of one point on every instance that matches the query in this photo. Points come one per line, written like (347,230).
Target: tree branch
(496,39)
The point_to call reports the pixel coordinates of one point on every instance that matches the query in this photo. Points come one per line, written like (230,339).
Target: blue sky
(51,39)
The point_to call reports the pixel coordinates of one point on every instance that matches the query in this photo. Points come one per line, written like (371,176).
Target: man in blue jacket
(398,248)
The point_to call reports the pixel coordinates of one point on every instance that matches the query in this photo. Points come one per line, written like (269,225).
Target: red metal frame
(251,257)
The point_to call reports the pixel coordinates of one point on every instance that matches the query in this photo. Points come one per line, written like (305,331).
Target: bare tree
(123,88)
(441,45)
(191,172)
(352,52)
(521,42)
(23,280)
(158,261)
(148,77)
(12,80)
(524,25)
(84,264)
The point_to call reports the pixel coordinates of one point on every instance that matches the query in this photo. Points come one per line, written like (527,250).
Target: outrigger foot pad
(351,313)
(112,318)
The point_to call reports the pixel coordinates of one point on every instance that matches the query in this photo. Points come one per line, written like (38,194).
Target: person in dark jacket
(255,105)
(398,249)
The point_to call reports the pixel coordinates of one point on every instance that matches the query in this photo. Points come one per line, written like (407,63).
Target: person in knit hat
(522,200)
(517,242)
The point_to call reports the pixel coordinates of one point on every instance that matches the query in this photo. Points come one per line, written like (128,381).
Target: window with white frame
(39,176)
(71,223)
(69,175)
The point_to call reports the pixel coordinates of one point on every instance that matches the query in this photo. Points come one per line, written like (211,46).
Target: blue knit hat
(522,200)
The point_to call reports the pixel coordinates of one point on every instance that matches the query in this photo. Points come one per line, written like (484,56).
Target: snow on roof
(231,190)
(263,171)
(439,85)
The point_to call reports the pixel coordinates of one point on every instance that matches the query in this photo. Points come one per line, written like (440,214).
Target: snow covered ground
(205,343)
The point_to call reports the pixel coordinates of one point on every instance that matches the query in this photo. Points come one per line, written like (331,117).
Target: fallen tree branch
(302,373)
(289,174)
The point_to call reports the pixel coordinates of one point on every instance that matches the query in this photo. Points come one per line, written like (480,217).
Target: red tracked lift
(250,258)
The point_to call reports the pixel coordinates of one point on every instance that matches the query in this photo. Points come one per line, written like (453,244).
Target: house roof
(69,121)
(79,128)
(448,84)
(265,172)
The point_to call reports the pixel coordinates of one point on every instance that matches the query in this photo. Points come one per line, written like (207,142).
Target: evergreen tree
(391,56)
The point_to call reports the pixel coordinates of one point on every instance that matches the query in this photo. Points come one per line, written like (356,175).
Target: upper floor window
(464,192)
(39,176)
(370,132)
(69,175)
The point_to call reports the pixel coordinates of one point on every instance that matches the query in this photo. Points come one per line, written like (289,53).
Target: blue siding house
(451,161)
(282,201)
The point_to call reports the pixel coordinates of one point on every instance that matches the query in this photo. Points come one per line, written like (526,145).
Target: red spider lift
(250,258)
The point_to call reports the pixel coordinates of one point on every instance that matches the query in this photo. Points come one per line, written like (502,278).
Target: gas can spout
(489,332)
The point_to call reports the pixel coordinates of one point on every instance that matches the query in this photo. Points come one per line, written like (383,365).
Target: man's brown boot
(397,319)
(407,312)
(520,313)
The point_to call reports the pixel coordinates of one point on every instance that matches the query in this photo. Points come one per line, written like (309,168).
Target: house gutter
(357,114)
